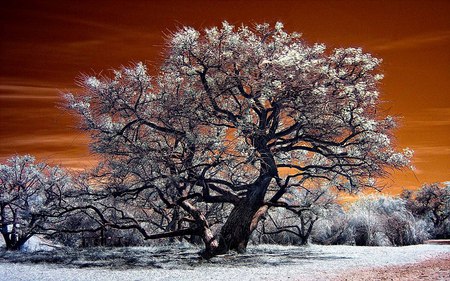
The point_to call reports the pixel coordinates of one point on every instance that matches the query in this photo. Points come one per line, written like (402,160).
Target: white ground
(261,263)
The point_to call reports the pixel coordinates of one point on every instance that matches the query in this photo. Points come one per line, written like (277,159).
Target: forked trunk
(13,243)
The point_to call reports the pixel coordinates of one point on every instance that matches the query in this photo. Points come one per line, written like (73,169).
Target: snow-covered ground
(264,262)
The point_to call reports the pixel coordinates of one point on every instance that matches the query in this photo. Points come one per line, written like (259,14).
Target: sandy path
(429,270)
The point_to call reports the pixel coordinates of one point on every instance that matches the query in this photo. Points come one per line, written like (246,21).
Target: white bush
(384,220)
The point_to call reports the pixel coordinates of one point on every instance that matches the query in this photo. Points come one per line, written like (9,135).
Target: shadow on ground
(168,257)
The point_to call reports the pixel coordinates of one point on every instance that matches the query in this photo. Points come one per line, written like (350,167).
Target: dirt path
(430,270)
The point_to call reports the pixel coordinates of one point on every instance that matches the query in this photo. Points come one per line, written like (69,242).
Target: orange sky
(45,45)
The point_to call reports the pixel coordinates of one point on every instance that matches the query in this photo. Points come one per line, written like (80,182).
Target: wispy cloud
(69,150)
(27,92)
(431,117)
(50,139)
(106,27)
(430,151)
(427,123)
(413,41)
(30,92)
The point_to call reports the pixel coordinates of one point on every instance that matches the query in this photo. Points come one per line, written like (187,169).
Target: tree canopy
(30,196)
(238,116)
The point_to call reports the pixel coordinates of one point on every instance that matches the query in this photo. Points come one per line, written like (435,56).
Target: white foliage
(384,220)
(29,193)
(233,105)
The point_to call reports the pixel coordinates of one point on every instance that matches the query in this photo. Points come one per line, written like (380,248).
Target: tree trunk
(243,220)
(173,225)
(202,228)
(13,243)
(245,216)
(236,231)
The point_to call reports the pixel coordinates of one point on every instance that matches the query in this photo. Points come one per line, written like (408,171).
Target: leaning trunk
(243,220)
(245,216)
(239,226)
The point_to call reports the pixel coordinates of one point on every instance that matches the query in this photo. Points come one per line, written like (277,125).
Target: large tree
(237,116)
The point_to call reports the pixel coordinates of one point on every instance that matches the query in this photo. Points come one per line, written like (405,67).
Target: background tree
(295,223)
(232,114)
(30,195)
(431,202)
(333,228)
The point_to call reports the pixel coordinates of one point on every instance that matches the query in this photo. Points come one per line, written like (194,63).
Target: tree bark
(245,216)
(243,219)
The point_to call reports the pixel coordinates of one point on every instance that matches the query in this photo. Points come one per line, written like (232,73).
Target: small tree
(431,202)
(295,223)
(30,195)
(232,114)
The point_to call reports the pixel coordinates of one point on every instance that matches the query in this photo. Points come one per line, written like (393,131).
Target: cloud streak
(28,92)
(433,150)
(416,41)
